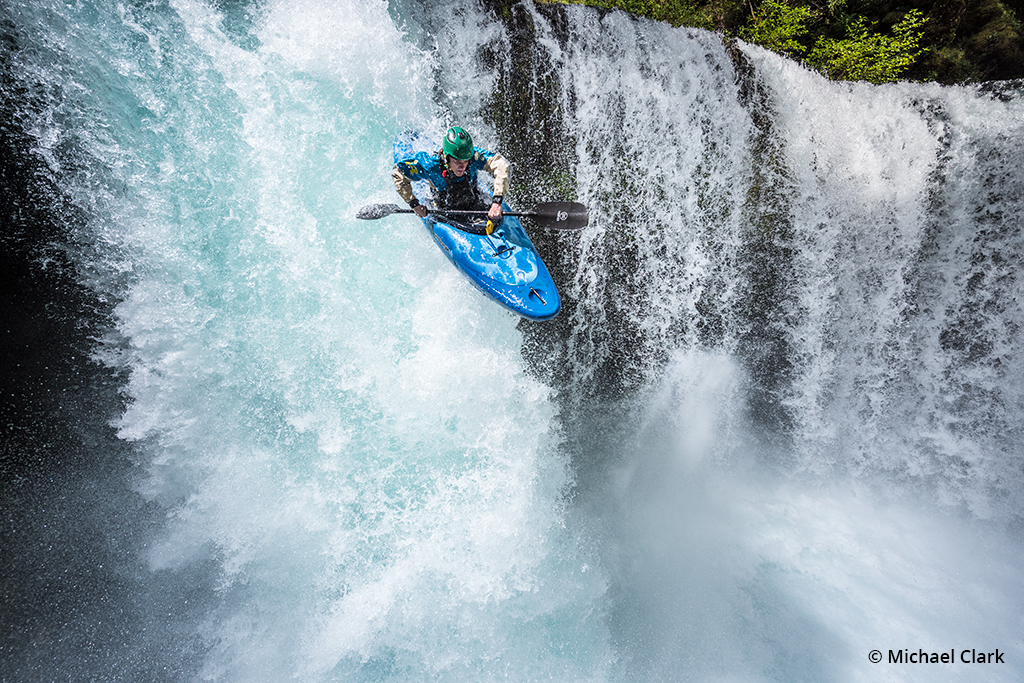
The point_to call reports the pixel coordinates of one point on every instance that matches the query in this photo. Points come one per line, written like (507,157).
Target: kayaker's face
(458,166)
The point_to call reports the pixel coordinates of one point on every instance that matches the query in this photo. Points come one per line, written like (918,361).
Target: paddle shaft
(462,212)
(554,215)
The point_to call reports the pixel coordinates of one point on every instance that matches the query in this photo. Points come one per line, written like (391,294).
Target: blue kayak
(503,265)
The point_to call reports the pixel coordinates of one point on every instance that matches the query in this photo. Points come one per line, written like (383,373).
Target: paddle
(554,215)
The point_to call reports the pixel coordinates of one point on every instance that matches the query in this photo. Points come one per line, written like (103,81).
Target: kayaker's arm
(404,186)
(498,167)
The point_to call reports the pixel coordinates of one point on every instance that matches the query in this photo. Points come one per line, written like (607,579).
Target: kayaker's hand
(495,212)
(421,211)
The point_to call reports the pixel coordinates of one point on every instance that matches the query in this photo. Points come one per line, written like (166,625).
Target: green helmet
(457,144)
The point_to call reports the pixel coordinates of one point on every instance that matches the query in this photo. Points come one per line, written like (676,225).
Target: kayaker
(452,174)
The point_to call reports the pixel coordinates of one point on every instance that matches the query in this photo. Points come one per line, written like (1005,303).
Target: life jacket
(459,193)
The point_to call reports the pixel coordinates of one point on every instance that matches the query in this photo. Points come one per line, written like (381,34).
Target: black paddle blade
(375,211)
(561,215)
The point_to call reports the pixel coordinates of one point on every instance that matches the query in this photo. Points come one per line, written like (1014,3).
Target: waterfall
(777,426)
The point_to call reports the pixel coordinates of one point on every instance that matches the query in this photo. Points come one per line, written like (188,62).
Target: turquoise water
(777,426)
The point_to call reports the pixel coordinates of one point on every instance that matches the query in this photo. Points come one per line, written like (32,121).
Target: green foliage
(869,56)
(696,13)
(777,26)
(675,12)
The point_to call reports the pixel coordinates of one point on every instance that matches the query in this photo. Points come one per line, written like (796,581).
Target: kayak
(504,265)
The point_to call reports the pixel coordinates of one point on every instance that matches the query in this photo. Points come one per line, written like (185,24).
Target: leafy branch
(865,55)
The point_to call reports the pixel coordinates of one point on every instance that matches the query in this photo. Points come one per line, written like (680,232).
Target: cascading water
(798,413)
(777,426)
